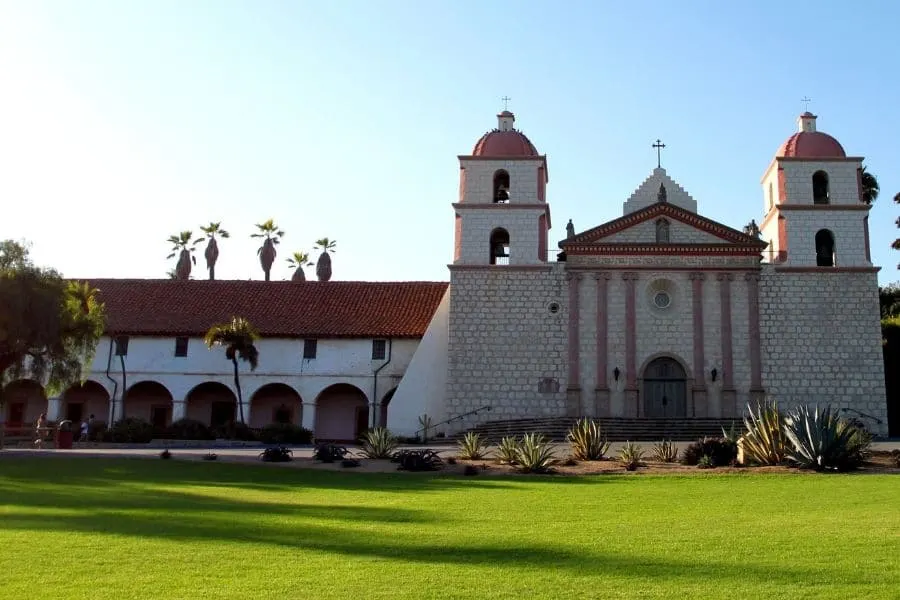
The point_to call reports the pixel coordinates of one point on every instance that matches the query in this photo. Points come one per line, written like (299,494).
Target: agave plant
(271,236)
(472,447)
(587,440)
(210,232)
(425,422)
(665,452)
(535,454)
(323,266)
(183,247)
(378,443)
(631,455)
(764,442)
(508,450)
(821,440)
(297,262)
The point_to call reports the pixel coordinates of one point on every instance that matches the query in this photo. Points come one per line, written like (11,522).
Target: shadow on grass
(126,498)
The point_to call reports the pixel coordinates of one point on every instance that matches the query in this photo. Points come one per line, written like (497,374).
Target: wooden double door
(665,390)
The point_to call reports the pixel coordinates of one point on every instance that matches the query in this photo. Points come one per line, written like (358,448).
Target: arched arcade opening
(148,400)
(275,403)
(212,403)
(23,400)
(342,413)
(82,400)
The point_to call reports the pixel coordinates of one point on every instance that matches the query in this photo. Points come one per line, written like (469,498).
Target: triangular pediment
(647,193)
(685,228)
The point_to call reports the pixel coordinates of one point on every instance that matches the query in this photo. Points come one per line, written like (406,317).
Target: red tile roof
(168,307)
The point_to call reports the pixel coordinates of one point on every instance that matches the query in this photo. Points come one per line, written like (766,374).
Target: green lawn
(118,529)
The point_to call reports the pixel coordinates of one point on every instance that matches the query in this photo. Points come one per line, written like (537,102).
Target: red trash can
(64,439)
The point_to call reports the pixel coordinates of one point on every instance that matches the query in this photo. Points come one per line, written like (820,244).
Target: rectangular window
(309,348)
(378,349)
(181,347)
(122,345)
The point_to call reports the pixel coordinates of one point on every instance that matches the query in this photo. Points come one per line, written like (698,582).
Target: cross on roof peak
(659,146)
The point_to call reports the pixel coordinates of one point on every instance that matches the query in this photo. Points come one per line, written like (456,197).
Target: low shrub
(631,456)
(329,453)
(189,429)
(895,456)
(451,460)
(276,454)
(165,454)
(130,430)
(508,451)
(587,440)
(721,451)
(764,443)
(705,462)
(97,431)
(535,454)
(665,452)
(285,433)
(823,441)
(210,456)
(378,443)
(349,463)
(418,460)
(473,447)
(470,470)
(234,430)
(569,462)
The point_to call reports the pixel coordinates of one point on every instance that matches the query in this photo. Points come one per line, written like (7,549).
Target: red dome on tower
(504,141)
(809,143)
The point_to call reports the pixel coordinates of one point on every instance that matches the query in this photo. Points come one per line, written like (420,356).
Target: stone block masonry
(508,342)
(821,341)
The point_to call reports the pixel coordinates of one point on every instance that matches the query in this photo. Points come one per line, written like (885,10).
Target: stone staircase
(615,429)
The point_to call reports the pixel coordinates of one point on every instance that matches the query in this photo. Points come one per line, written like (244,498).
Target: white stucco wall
(424,386)
(281,361)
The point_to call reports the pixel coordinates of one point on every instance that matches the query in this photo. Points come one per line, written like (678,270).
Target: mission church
(661,313)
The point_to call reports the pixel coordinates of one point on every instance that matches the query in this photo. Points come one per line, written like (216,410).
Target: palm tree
(212,248)
(323,266)
(237,337)
(272,236)
(896,244)
(870,187)
(181,245)
(297,262)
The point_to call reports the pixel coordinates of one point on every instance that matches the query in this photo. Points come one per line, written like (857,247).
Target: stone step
(615,430)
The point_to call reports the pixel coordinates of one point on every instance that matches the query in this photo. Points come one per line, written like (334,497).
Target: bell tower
(502,217)
(813,202)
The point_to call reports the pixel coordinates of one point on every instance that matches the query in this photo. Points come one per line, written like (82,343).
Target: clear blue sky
(122,123)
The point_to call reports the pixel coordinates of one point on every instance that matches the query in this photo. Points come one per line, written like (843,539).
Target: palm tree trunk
(267,274)
(212,272)
(237,385)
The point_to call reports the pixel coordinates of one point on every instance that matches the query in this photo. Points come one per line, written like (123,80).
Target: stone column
(729,394)
(700,395)
(53,405)
(632,407)
(573,387)
(179,409)
(601,393)
(309,416)
(757,393)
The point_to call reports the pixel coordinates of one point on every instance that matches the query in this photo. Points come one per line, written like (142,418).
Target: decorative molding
(699,350)
(656,210)
(815,160)
(826,207)
(725,276)
(653,249)
(630,331)
(602,329)
(725,329)
(697,275)
(574,275)
(501,268)
(602,275)
(827,269)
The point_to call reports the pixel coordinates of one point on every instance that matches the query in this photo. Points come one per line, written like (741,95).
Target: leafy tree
(183,246)
(237,337)
(212,248)
(297,262)
(870,187)
(896,244)
(271,235)
(889,300)
(49,327)
(323,265)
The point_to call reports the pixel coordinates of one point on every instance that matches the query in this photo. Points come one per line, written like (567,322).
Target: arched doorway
(665,389)
(275,403)
(212,403)
(342,413)
(80,401)
(25,401)
(149,400)
(383,408)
